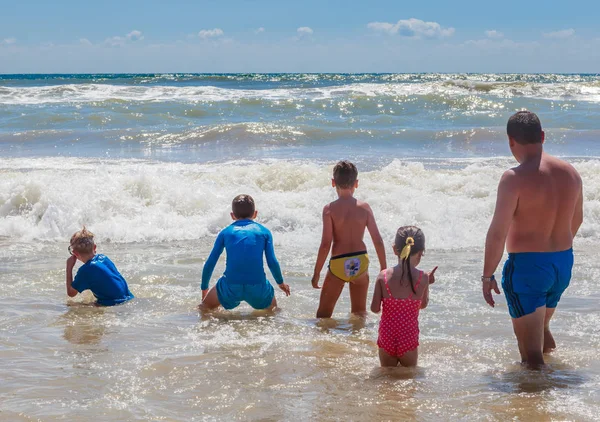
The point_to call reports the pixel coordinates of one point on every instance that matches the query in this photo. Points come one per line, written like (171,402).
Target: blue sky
(309,36)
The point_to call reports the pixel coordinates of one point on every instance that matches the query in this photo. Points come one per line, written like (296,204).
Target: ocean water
(150,164)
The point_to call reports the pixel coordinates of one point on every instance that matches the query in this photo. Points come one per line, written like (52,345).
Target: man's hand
(285,288)
(432,275)
(71,262)
(487,287)
(315,281)
(204,293)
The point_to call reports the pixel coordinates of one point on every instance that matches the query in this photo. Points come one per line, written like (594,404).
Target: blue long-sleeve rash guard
(245,242)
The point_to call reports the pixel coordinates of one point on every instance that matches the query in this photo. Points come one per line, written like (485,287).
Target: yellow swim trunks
(350,266)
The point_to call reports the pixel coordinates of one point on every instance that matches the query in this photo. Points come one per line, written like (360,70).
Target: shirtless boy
(344,223)
(539,210)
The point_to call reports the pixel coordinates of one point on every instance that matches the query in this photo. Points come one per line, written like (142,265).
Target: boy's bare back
(349,219)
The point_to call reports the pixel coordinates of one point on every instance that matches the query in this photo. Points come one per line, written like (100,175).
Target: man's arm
(376,237)
(325,247)
(578,215)
(71,292)
(209,265)
(506,205)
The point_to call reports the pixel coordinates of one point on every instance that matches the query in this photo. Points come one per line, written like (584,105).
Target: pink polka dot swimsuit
(399,325)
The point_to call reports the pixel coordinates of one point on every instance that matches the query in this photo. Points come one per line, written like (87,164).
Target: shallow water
(156,190)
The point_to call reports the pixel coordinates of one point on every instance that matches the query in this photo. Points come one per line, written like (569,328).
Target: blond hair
(83,241)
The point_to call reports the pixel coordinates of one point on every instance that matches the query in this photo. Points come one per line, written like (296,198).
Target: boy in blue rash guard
(244,279)
(98,273)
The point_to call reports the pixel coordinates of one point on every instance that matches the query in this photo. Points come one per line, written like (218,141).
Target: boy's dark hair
(417,245)
(345,174)
(525,128)
(243,206)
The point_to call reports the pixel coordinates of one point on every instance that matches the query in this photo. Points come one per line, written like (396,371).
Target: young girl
(404,291)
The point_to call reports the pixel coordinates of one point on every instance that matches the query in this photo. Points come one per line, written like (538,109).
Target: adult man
(539,210)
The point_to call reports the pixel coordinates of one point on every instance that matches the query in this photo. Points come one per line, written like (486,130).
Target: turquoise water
(198,118)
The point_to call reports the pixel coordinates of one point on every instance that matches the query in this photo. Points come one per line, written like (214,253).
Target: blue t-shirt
(101,276)
(245,241)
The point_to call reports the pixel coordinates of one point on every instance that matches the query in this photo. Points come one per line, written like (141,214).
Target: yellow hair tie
(410,242)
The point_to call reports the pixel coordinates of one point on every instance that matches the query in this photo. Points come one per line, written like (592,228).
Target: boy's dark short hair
(525,128)
(243,206)
(345,174)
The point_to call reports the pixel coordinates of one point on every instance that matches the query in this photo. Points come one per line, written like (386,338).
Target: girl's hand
(315,281)
(204,293)
(432,275)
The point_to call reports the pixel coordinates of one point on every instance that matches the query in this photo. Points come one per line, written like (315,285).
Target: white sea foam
(86,93)
(136,201)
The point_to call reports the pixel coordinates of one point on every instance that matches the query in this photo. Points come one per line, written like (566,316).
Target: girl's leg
(387,360)
(409,358)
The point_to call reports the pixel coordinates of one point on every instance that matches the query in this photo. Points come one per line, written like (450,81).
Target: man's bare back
(548,195)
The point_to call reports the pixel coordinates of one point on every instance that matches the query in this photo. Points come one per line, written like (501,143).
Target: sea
(150,163)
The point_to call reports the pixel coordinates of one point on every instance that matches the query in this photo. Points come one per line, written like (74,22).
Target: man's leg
(549,343)
(211,301)
(359,289)
(529,330)
(330,293)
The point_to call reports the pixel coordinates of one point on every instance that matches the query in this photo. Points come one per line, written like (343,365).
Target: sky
(154,36)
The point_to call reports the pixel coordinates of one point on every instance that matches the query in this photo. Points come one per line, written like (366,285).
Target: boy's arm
(274,264)
(209,265)
(71,292)
(272,260)
(376,237)
(325,247)
(376,302)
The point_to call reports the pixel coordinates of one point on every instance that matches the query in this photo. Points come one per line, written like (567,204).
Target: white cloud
(134,35)
(210,33)
(565,33)
(259,30)
(85,41)
(492,33)
(413,28)
(8,41)
(304,30)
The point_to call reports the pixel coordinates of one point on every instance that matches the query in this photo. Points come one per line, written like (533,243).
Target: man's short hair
(243,207)
(83,241)
(525,128)
(345,174)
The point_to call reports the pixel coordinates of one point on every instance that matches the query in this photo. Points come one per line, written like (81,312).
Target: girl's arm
(376,302)
(425,299)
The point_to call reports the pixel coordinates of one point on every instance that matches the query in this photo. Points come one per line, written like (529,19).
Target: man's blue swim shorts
(259,295)
(534,279)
